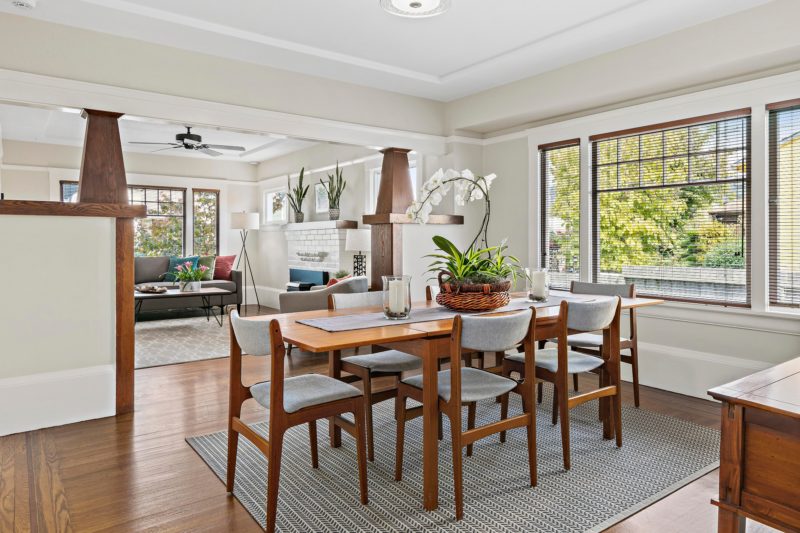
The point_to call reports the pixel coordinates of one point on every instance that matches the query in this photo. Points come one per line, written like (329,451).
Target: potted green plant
(334,188)
(297,195)
(480,277)
(189,276)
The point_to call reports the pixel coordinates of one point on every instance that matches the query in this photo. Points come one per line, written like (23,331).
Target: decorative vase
(333,214)
(190,286)
(396,297)
(299,216)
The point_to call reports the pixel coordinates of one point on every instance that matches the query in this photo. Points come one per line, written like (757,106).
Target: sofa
(151,270)
(292,302)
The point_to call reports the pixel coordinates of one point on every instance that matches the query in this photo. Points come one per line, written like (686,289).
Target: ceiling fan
(192,141)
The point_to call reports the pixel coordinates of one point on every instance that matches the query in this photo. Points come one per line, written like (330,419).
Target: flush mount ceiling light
(24,4)
(415,8)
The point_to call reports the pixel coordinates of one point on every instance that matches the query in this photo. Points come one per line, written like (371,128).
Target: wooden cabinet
(759,476)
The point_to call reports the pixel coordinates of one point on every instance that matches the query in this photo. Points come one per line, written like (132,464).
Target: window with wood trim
(672,207)
(784,206)
(560,211)
(162,232)
(205,222)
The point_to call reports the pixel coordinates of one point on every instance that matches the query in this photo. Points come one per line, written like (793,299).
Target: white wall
(686,348)
(57,279)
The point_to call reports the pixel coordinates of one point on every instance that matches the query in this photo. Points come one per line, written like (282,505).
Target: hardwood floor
(136,473)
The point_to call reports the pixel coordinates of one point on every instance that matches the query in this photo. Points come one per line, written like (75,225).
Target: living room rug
(606,484)
(180,340)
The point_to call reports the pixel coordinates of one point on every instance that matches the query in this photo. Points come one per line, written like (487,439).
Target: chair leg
(539,392)
(563,407)
(458,467)
(530,407)
(289,350)
(503,414)
(617,403)
(233,448)
(555,404)
(575,382)
(273,479)
(635,372)
(312,441)
(400,409)
(367,383)
(470,423)
(359,416)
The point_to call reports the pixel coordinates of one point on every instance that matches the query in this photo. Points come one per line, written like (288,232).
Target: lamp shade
(357,240)
(245,220)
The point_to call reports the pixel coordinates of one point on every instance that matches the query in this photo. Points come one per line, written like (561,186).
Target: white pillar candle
(396,298)
(538,283)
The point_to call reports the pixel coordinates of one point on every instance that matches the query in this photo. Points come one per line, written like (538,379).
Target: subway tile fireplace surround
(318,245)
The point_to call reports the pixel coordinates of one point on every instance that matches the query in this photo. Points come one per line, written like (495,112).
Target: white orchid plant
(468,188)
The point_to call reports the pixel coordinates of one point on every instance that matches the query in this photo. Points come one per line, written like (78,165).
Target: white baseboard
(56,398)
(688,372)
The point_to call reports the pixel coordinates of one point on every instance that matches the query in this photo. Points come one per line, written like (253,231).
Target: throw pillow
(207,261)
(334,281)
(175,261)
(223,266)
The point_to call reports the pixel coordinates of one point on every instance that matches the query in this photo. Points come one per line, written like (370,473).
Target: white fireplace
(319,245)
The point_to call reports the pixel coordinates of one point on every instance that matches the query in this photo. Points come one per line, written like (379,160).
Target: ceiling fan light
(415,8)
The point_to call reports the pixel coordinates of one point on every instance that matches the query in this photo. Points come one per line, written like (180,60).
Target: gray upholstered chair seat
(548,359)
(388,361)
(476,384)
(304,391)
(587,340)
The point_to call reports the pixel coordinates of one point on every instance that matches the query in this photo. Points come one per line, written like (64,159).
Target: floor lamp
(245,222)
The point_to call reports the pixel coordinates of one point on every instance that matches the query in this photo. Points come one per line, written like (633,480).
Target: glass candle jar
(396,297)
(539,285)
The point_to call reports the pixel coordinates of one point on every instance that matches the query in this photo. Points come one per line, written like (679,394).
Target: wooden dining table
(427,340)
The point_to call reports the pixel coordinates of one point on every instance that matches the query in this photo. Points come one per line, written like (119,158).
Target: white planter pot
(190,286)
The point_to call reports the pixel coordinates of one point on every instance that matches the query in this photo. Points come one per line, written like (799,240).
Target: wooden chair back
(356,299)
(623,290)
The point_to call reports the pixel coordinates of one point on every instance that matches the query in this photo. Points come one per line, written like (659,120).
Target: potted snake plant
(297,195)
(334,187)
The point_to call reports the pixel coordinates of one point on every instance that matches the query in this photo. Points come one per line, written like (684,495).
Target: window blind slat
(560,212)
(671,209)
(784,206)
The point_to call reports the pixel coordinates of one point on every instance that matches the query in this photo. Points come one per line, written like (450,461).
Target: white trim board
(28,88)
(57,398)
(688,372)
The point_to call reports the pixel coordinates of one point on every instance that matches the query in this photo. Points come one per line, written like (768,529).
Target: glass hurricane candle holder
(538,285)
(396,297)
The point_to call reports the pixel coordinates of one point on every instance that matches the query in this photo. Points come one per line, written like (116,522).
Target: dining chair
(554,365)
(291,402)
(591,343)
(391,363)
(431,291)
(470,385)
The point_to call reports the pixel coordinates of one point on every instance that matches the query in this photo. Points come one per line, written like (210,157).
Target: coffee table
(206,293)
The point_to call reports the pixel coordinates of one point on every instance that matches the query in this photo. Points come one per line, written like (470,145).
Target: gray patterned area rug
(180,340)
(659,455)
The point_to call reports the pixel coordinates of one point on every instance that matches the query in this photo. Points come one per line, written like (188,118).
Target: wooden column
(102,178)
(103,181)
(395,194)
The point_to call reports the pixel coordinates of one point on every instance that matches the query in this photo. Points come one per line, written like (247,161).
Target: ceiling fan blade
(225,147)
(209,151)
(141,142)
(162,149)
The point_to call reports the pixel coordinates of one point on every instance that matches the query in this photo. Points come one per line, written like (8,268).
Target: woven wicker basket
(473,297)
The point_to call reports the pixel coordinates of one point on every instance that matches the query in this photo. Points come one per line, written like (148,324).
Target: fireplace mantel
(320,224)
